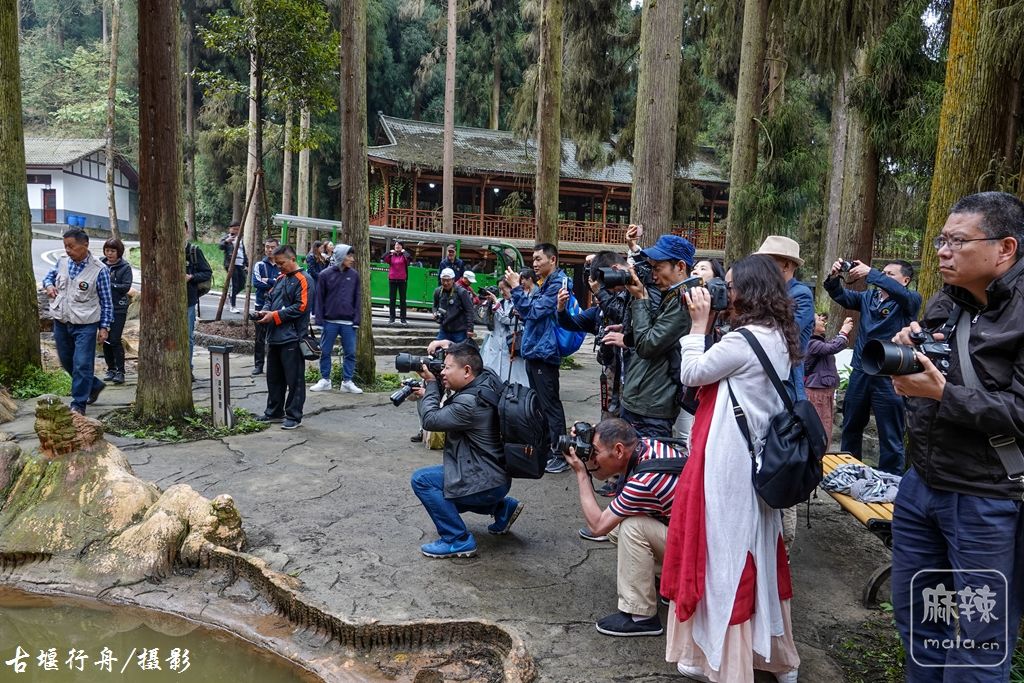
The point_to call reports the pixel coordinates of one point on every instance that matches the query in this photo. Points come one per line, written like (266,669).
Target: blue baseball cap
(671,248)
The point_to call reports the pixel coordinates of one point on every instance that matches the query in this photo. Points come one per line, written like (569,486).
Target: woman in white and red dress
(725,567)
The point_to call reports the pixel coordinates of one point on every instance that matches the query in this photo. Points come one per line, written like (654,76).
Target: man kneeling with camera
(472,478)
(637,518)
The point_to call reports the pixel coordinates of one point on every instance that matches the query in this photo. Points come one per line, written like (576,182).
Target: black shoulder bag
(794,444)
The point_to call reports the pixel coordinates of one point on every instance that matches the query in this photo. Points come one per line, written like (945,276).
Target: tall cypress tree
(19,316)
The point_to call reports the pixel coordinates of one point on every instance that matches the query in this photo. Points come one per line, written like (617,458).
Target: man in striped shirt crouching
(636,520)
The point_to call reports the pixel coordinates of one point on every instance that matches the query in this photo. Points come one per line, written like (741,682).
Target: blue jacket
(337,295)
(878,319)
(803,312)
(538,312)
(264,274)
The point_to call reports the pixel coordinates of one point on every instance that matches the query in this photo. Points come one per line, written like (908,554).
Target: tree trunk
(111,161)
(19,313)
(496,82)
(778,65)
(549,121)
(248,218)
(355,213)
(853,186)
(259,199)
(314,187)
(301,234)
(657,113)
(1012,125)
(738,240)
(190,121)
(103,21)
(165,386)
(286,163)
(448,162)
(970,123)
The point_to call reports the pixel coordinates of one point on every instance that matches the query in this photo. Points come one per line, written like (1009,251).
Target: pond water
(59,639)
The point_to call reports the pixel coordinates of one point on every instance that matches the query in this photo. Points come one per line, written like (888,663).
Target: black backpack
(201,287)
(794,443)
(523,427)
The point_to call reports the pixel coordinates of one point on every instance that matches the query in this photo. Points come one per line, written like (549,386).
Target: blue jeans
(191,334)
(864,395)
(76,348)
(331,332)
(428,485)
(453,337)
(979,538)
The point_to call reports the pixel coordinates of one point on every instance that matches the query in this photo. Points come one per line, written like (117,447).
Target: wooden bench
(876,517)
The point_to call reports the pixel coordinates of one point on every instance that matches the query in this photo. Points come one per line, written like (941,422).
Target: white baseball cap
(448,273)
(470,276)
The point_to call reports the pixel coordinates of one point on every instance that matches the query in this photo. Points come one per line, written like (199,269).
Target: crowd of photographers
(675,336)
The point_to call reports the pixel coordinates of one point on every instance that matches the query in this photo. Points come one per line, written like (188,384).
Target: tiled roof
(419,144)
(59,151)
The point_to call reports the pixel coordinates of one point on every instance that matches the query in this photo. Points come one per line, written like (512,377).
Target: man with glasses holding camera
(884,310)
(637,518)
(958,525)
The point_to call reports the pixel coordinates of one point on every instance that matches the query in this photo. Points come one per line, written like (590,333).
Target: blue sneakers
(441,549)
(504,519)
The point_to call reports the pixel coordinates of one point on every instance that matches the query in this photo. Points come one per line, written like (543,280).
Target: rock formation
(78,496)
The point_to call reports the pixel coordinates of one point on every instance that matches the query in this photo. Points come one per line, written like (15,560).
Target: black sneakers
(622,624)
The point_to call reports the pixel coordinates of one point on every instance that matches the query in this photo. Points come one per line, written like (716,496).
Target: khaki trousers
(641,547)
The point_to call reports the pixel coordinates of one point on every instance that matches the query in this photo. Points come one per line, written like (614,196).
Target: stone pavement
(331,504)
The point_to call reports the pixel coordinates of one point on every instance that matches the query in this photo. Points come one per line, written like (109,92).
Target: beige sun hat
(783,247)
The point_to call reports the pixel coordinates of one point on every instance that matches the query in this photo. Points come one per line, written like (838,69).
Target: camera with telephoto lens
(613,277)
(888,358)
(717,288)
(398,398)
(582,441)
(406,362)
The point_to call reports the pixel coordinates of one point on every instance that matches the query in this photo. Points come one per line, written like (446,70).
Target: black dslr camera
(398,398)
(493,289)
(845,266)
(888,358)
(644,270)
(406,362)
(583,441)
(613,277)
(716,286)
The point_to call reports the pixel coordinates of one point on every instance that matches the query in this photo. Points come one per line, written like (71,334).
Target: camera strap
(1004,445)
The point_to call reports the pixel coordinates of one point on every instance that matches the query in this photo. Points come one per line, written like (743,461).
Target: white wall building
(67,177)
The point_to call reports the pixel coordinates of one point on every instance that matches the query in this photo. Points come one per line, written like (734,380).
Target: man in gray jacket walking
(472,478)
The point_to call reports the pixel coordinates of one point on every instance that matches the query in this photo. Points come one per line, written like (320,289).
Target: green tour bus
(485,256)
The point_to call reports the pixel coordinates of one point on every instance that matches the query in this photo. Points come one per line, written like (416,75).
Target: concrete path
(331,504)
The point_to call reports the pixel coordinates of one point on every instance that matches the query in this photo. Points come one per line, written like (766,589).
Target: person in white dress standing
(495,353)
(725,568)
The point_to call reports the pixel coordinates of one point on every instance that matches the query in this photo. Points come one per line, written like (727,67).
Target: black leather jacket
(948,439)
(473,450)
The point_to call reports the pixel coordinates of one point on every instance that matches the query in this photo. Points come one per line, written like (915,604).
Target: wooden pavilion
(494,175)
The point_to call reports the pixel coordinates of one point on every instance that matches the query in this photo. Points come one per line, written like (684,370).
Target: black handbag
(794,444)
(310,345)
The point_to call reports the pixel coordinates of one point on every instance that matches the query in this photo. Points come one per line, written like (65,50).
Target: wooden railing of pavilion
(703,236)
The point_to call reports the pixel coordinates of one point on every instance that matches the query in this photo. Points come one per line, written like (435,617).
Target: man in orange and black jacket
(286,311)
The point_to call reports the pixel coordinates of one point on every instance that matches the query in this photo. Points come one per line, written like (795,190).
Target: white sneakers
(696,674)
(235,310)
(349,387)
(322,385)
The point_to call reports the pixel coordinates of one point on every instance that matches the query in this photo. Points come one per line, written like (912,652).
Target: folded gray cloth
(862,483)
